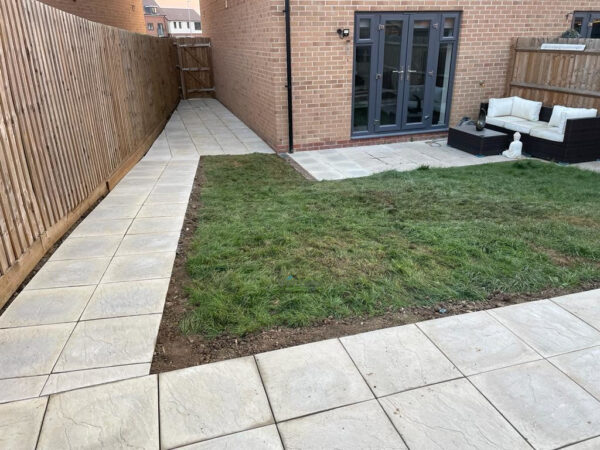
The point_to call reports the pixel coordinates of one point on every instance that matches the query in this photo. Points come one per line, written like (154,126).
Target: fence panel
(80,103)
(556,77)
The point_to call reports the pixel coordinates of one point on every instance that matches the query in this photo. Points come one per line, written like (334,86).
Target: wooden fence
(80,103)
(555,77)
(194,62)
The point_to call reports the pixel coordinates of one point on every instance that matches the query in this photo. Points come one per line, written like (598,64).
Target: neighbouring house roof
(181,14)
(151,3)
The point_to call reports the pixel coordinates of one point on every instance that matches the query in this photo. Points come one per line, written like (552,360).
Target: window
(403,71)
(150,26)
(587,24)
(161,30)
(150,10)
(180,25)
(197,26)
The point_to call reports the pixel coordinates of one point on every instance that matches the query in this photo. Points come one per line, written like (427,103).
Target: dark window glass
(364,27)
(161,31)
(150,26)
(578,24)
(449,27)
(595,28)
(417,71)
(362,77)
(442,83)
(197,26)
(391,71)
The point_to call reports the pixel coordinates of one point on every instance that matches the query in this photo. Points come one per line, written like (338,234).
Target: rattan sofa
(581,140)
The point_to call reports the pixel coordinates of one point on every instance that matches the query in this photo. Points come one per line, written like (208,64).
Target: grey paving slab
(399,358)
(139,267)
(87,247)
(263,438)
(450,416)
(547,327)
(583,367)
(208,401)
(156,224)
(138,244)
(116,415)
(360,426)
(122,211)
(477,342)
(590,444)
(67,381)
(549,409)
(127,298)
(46,306)
(163,210)
(311,378)
(79,272)
(110,342)
(585,305)
(90,227)
(31,351)
(20,423)
(12,389)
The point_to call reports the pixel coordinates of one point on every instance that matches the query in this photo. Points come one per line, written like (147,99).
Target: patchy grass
(275,249)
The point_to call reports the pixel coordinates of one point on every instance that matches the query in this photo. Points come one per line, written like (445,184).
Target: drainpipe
(288,58)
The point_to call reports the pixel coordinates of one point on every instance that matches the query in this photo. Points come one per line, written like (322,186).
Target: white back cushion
(526,109)
(565,113)
(499,107)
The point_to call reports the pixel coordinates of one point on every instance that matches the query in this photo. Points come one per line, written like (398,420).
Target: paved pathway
(337,164)
(511,378)
(92,313)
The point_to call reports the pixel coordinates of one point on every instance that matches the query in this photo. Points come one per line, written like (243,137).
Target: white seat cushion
(500,107)
(495,121)
(526,109)
(549,133)
(572,113)
(521,125)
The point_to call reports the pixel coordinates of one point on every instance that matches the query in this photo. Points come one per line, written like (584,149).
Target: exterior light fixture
(343,32)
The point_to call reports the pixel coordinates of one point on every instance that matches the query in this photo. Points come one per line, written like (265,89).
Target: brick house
(183,22)
(156,21)
(371,71)
(126,14)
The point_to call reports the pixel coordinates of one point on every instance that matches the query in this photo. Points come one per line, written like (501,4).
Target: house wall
(322,62)
(186,29)
(248,45)
(126,14)
(155,20)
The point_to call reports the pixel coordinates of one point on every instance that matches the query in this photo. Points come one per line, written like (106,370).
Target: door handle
(398,71)
(411,71)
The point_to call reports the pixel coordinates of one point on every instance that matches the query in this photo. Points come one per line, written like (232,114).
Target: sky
(193,4)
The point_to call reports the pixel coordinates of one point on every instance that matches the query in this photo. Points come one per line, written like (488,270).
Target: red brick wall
(127,14)
(155,20)
(322,63)
(248,40)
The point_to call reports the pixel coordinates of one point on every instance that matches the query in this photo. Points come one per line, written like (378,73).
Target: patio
(516,377)
(352,162)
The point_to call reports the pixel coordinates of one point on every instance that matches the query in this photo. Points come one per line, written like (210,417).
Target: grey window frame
(587,17)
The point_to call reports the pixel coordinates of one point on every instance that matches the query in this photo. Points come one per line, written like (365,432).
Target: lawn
(273,248)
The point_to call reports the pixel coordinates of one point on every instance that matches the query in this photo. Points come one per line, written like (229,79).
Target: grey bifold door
(403,71)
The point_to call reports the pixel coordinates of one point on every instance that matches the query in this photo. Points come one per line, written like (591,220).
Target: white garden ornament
(515,148)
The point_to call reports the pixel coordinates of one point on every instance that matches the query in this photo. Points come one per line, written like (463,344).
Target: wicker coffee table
(485,142)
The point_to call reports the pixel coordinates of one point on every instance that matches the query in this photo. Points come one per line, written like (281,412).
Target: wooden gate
(195,67)
(555,77)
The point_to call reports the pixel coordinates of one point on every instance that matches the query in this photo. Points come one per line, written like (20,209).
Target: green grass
(275,249)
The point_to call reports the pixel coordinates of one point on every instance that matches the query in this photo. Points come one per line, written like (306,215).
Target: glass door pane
(442,83)
(362,81)
(391,72)
(416,77)
(594,26)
